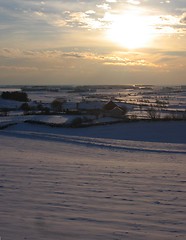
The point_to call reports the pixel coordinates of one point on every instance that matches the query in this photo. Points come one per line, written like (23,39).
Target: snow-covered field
(167,101)
(116,182)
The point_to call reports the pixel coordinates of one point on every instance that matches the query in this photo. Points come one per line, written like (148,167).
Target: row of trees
(26,108)
(16,96)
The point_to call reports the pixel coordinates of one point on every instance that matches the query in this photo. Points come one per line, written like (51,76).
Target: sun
(130,30)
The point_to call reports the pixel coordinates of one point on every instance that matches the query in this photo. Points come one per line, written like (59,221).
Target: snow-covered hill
(98,183)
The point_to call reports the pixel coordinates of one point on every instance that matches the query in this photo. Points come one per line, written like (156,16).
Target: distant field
(141,102)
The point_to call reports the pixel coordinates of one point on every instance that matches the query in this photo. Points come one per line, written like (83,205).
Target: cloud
(130,61)
(164,2)
(134,2)
(18,68)
(104,6)
(10,52)
(40,14)
(57,56)
(72,55)
(183,18)
(83,63)
(111,1)
(175,53)
(59,22)
(167,24)
(83,20)
(90,12)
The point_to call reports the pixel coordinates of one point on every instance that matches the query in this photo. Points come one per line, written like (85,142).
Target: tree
(57,105)
(153,113)
(40,107)
(25,108)
(17,96)
(4,111)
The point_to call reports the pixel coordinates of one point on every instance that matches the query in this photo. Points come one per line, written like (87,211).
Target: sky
(92,42)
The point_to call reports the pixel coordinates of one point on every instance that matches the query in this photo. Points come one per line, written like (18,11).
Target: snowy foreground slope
(93,183)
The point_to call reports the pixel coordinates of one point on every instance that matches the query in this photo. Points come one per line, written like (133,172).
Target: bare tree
(153,113)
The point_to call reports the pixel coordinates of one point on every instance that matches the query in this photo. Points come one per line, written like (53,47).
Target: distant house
(111,109)
(109,106)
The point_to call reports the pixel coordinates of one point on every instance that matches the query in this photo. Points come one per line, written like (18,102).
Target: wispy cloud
(54,57)
(18,68)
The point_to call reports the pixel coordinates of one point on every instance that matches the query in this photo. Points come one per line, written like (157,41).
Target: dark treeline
(17,96)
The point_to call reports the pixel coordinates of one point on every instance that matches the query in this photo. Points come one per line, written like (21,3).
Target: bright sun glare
(130,30)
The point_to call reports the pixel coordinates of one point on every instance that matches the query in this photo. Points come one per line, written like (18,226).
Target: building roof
(109,106)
